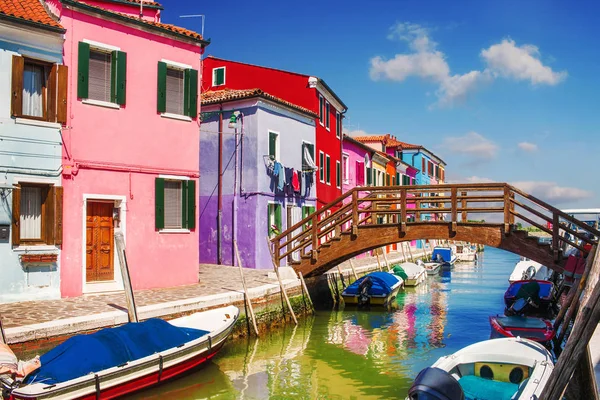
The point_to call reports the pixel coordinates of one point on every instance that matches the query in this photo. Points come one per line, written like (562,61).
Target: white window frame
(321,166)
(104,48)
(338,167)
(328,165)
(346,168)
(277,141)
(224,76)
(180,67)
(181,179)
(338,124)
(327,115)
(321,108)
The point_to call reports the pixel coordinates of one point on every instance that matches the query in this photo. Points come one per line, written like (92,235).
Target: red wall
(289,86)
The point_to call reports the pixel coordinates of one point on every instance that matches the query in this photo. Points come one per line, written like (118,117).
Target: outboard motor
(529,273)
(363,291)
(435,384)
(439,258)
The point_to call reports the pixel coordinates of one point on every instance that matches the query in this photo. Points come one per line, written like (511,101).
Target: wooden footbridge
(367,218)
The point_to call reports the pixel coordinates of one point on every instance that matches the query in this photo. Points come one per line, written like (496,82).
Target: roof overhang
(327,93)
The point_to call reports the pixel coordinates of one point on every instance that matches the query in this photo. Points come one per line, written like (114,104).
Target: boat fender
(97,382)
(209,342)
(160,366)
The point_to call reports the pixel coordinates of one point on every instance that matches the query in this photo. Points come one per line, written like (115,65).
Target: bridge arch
(367,218)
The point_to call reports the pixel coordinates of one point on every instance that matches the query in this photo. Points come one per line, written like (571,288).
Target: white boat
(465,253)
(432,268)
(117,361)
(415,273)
(444,255)
(496,369)
(527,269)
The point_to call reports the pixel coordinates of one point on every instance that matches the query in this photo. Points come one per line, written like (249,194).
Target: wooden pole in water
(387,263)
(306,291)
(577,345)
(378,263)
(412,259)
(120,243)
(287,300)
(2,334)
(341,276)
(404,259)
(353,270)
(246,295)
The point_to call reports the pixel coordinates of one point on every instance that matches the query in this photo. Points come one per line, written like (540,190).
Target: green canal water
(351,354)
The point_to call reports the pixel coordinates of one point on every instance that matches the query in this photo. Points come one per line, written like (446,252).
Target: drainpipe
(235,199)
(26,171)
(220,187)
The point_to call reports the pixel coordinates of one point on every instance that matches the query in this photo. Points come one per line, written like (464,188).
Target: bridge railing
(452,204)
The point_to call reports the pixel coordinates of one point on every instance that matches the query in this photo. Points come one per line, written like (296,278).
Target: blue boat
(376,288)
(443,255)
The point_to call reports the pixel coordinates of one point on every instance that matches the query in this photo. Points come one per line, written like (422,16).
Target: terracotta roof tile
(370,138)
(220,96)
(146,2)
(28,10)
(169,27)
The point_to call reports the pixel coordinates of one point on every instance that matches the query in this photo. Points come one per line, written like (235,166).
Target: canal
(350,354)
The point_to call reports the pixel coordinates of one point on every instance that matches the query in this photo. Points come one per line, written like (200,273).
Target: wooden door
(99,242)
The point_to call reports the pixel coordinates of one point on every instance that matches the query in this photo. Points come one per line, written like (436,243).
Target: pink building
(130,160)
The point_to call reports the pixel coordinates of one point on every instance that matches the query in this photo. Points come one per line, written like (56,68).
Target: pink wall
(150,14)
(134,136)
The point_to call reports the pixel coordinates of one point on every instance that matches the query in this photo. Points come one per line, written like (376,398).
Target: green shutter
(120,83)
(398,179)
(328,169)
(272,145)
(278,218)
(219,76)
(369,177)
(191,204)
(113,76)
(159,203)
(191,93)
(338,180)
(83,70)
(321,166)
(161,105)
(387,179)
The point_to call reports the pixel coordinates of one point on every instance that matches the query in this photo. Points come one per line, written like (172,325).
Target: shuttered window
(321,112)
(338,175)
(338,125)
(174,91)
(38,90)
(175,204)
(327,114)
(369,177)
(321,166)
(423,169)
(177,90)
(101,74)
(37,214)
(387,180)
(273,145)
(218,76)
(328,169)
(308,165)
(274,216)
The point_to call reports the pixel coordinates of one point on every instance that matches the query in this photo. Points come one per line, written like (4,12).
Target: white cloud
(424,61)
(472,144)
(552,192)
(508,60)
(528,147)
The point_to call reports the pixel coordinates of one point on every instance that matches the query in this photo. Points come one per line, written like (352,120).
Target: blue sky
(501,90)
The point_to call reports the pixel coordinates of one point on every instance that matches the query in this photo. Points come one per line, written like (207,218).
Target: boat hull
(135,375)
(536,329)
(415,280)
(374,300)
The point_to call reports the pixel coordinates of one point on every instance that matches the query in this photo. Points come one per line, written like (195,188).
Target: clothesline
(289,180)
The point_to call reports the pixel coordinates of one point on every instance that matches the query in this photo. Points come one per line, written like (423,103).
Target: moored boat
(375,288)
(432,268)
(532,328)
(443,255)
(530,297)
(527,269)
(496,369)
(465,253)
(415,274)
(116,361)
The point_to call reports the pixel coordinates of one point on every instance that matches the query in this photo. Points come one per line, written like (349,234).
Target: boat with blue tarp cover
(375,288)
(116,361)
(443,255)
(496,369)
(531,298)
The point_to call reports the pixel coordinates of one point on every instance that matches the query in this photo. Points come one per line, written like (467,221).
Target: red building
(304,90)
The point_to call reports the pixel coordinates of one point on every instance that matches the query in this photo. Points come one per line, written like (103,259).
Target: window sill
(35,122)
(41,247)
(174,231)
(176,116)
(101,103)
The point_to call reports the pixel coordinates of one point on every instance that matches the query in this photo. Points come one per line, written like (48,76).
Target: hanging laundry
(308,179)
(289,172)
(295,182)
(280,174)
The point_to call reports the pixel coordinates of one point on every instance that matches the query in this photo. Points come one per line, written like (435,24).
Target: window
(328,169)
(327,115)
(321,166)
(274,219)
(338,174)
(218,76)
(38,212)
(430,168)
(338,125)
(345,168)
(101,74)
(437,172)
(398,178)
(369,176)
(442,175)
(273,146)
(360,173)
(175,204)
(38,90)
(387,180)
(321,112)
(177,90)
(423,169)
(308,156)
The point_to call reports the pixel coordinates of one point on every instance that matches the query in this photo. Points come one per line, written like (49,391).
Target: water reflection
(352,354)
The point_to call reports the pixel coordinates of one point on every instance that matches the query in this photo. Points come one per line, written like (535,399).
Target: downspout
(235,199)
(220,187)
(52,173)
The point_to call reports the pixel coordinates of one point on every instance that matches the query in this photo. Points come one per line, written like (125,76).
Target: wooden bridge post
(507,214)
(402,210)
(511,217)
(453,195)
(555,236)
(355,213)
(315,237)
(463,205)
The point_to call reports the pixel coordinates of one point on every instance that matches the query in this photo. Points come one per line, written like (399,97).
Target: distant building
(33,111)
(269,174)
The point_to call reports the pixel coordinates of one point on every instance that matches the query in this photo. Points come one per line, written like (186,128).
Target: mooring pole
(387,263)
(246,295)
(287,300)
(306,291)
(378,263)
(2,334)
(131,310)
(353,270)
